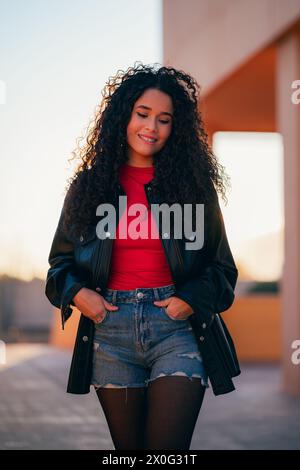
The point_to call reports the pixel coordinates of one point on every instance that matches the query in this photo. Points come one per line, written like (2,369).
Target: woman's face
(151,118)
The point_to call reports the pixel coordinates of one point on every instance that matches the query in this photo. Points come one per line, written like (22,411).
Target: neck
(140,161)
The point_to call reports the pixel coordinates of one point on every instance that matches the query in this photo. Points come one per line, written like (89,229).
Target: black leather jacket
(204,278)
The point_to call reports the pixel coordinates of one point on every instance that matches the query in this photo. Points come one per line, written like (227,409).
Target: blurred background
(55,59)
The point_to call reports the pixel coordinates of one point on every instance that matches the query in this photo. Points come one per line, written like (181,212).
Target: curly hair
(185,169)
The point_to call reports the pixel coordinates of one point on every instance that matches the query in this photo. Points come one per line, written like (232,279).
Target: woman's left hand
(177,308)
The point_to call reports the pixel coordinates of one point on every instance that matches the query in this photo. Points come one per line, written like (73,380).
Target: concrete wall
(212,38)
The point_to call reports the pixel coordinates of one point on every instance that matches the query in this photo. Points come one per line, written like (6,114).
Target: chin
(145,153)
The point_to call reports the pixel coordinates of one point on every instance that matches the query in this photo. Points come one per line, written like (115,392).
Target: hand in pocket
(92,305)
(176,308)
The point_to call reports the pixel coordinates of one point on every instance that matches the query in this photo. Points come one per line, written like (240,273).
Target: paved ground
(37,413)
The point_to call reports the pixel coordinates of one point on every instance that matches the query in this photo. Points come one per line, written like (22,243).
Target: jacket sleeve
(211,289)
(63,278)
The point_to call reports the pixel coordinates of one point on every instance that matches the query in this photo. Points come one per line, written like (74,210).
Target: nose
(151,125)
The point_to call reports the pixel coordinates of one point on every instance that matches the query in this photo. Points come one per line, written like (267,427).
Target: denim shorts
(140,342)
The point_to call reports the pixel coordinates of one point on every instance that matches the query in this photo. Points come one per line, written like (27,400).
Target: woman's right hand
(92,305)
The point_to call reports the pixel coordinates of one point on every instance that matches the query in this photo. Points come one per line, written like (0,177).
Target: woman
(149,335)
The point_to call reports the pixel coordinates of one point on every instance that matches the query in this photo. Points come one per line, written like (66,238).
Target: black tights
(160,416)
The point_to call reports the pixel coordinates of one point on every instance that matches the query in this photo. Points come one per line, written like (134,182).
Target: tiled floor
(37,413)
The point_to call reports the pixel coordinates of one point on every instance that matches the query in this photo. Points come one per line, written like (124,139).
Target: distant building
(25,312)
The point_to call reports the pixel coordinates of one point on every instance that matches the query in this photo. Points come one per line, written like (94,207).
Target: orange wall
(255,325)
(64,338)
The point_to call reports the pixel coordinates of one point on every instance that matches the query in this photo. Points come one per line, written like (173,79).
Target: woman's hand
(92,305)
(177,308)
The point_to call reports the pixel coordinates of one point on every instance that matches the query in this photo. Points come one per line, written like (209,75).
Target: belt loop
(156,293)
(114,297)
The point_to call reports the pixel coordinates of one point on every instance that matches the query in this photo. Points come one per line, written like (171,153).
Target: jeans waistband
(140,294)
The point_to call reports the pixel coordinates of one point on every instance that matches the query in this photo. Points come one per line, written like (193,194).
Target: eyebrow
(147,107)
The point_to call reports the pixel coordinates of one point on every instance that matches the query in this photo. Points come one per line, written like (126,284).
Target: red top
(139,262)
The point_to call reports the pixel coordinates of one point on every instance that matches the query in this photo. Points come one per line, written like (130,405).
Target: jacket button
(81,238)
(166,235)
(85,338)
(149,188)
(201,338)
(107,234)
(203,325)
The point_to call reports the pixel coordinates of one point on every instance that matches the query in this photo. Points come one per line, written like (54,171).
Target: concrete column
(288,124)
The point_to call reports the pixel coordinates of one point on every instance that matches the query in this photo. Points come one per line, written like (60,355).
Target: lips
(144,137)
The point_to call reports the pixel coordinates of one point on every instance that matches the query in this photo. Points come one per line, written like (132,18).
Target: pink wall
(211,38)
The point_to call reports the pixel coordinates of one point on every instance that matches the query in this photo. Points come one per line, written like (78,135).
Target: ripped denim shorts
(140,342)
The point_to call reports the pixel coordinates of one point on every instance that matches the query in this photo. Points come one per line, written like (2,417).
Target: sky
(55,60)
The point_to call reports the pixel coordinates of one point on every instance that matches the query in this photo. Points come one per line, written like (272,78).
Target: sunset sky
(55,61)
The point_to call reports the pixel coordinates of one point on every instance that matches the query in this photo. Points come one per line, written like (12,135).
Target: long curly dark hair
(185,169)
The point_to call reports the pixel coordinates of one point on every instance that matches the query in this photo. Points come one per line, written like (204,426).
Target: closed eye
(145,115)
